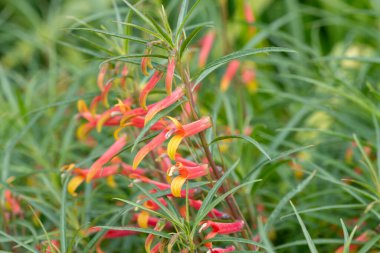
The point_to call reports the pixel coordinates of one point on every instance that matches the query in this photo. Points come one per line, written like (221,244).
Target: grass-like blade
(243,137)
(309,240)
(273,216)
(209,68)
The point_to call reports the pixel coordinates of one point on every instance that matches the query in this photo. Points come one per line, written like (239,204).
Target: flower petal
(173,145)
(176,186)
(73,184)
(142,219)
(154,143)
(148,87)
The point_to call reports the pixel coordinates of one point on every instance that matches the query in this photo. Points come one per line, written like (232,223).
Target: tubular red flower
(231,70)
(165,103)
(169,75)
(112,233)
(146,61)
(148,87)
(221,250)
(206,45)
(154,143)
(250,18)
(179,132)
(101,75)
(108,155)
(214,213)
(221,228)
(354,247)
(185,173)
(12,203)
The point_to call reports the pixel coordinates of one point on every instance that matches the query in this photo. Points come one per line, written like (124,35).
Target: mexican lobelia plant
(185,200)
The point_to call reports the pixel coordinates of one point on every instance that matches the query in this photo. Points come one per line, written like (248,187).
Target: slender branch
(216,172)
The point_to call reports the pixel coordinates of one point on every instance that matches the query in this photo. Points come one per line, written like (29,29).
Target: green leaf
(348,242)
(286,198)
(62,224)
(209,68)
(18,242)
(243,137)
(154,120)
(310,242)
(154,34)
(117,35)
(181,15)
(179,29)
(189,38)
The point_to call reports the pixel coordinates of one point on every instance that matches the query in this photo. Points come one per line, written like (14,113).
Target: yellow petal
(142,219)
(111,182)
(173,145)
(176,186)
(68,167)
(101,121)
(82,107)
(74,183)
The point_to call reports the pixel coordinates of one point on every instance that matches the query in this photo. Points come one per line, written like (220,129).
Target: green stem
(216,173)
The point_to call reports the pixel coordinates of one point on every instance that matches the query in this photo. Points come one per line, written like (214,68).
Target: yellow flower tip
(224,85)
(91,173)
(105,101)
(176,186)
(82,107)
(73,184)
(82,132)
(111,182)
(116,133)
(68,167)
(173,145)
(149,117)
(101,121)
(177,124)
(142,219)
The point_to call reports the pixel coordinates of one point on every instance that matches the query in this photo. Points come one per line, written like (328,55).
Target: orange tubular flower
(250,18)
(170,75)
(179,133)
(45,246)
(106,172)
(248,77)
(146,62)
(162,186)
(231,70)
(354,247)
(108,155)
(149,239)
(165,103)
(214,213)
(185,173)
(101,75)
(111,233)
(148,87)
(206,45)
(12,203)
(221,250)
(221,228)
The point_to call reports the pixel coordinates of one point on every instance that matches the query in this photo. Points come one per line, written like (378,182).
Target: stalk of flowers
(170,129)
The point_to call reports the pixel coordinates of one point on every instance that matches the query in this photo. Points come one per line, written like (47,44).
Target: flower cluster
(168,162)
